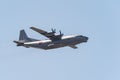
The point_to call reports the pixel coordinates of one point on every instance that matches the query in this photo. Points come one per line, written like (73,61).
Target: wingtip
(31,27)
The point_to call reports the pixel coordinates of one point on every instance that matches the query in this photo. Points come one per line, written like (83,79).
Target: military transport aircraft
(53,41)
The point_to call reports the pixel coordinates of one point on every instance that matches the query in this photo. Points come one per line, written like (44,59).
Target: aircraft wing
(39,31)
(50,35)
(73,46)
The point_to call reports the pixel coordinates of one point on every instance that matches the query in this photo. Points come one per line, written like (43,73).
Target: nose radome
(85,38)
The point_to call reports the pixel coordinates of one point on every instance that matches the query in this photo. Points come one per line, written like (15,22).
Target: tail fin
(24,38)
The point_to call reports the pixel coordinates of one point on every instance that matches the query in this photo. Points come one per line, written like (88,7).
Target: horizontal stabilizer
(19,43)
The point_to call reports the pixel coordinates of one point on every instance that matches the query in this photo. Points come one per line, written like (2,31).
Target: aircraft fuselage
(65,41)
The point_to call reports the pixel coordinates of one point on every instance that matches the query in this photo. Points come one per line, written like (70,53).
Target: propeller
(53,30)
(61,34)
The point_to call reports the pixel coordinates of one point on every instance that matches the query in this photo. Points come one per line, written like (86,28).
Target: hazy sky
(98,59)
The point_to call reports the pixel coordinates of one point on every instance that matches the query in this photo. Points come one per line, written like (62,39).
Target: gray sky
(99,59)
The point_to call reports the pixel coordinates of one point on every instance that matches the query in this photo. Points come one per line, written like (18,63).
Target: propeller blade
(53,30)
(61,33)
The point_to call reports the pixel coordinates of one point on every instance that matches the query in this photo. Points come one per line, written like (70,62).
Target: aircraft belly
(62,43)
(57,44)
(42,46)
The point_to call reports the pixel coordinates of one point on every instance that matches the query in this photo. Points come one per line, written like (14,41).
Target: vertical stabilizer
(23,36)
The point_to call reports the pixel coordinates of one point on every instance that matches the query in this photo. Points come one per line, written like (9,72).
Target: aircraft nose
(86,38)
(83,38)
